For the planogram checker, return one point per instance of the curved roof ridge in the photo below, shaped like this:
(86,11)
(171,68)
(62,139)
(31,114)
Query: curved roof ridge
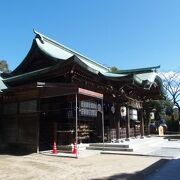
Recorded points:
(43,37)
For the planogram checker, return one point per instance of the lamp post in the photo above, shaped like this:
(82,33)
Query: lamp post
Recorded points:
(125,114)
(151,117)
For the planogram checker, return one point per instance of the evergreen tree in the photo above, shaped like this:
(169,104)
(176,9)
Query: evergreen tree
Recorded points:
(4,66)
(114,69)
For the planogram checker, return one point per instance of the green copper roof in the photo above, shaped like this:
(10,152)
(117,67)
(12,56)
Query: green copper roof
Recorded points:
(27,75)
(2,85)
(114,75)
(57,50)
(139,70)
(150,76)
(57,53)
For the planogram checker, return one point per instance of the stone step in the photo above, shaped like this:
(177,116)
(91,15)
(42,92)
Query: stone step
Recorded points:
(146,142)
(109,148)
(109,145)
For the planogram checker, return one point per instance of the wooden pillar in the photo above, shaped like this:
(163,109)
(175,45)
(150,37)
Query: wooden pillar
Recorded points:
(141,118)
(127,123)
(118,129)
(102,115)
(38,120)
(76,120)
(117,118)
(149,123)
(134,125)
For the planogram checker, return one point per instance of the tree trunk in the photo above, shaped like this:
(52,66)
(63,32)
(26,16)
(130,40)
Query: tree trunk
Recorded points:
(179,113)
(179,119)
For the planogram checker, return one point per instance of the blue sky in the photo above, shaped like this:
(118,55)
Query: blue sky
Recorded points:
(123,33)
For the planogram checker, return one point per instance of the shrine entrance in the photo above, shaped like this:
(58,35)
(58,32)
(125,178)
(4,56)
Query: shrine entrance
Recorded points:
(76,117)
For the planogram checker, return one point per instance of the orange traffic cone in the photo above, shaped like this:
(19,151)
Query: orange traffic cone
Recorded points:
(54,151)
(74,151)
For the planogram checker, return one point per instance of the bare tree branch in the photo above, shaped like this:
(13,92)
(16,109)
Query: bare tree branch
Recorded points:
(171,83)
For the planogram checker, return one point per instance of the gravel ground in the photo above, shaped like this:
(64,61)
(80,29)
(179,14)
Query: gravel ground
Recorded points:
(37,166)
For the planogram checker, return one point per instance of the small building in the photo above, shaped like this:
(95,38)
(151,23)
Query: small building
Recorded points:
(57,94)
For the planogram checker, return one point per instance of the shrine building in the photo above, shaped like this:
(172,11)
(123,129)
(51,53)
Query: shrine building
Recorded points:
(58,95)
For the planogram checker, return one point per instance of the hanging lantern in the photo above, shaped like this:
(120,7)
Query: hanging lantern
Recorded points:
(151,115)
(133,114)
(113,109)
(123,111)
(99,107)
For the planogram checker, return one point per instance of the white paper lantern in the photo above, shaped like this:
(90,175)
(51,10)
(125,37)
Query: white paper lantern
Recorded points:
(123,111)
(151,115)
(99,107)
(133,114)
(113,109)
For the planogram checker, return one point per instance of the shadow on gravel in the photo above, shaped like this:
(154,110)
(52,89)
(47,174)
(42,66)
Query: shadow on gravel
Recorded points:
(141,175)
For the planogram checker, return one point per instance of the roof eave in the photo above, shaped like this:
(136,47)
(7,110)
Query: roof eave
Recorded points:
(139,70)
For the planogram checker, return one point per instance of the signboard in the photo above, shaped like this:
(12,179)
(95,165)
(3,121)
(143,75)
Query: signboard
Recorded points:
(88,108)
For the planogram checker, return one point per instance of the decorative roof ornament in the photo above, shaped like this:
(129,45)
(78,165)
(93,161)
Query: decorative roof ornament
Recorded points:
(39,35)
